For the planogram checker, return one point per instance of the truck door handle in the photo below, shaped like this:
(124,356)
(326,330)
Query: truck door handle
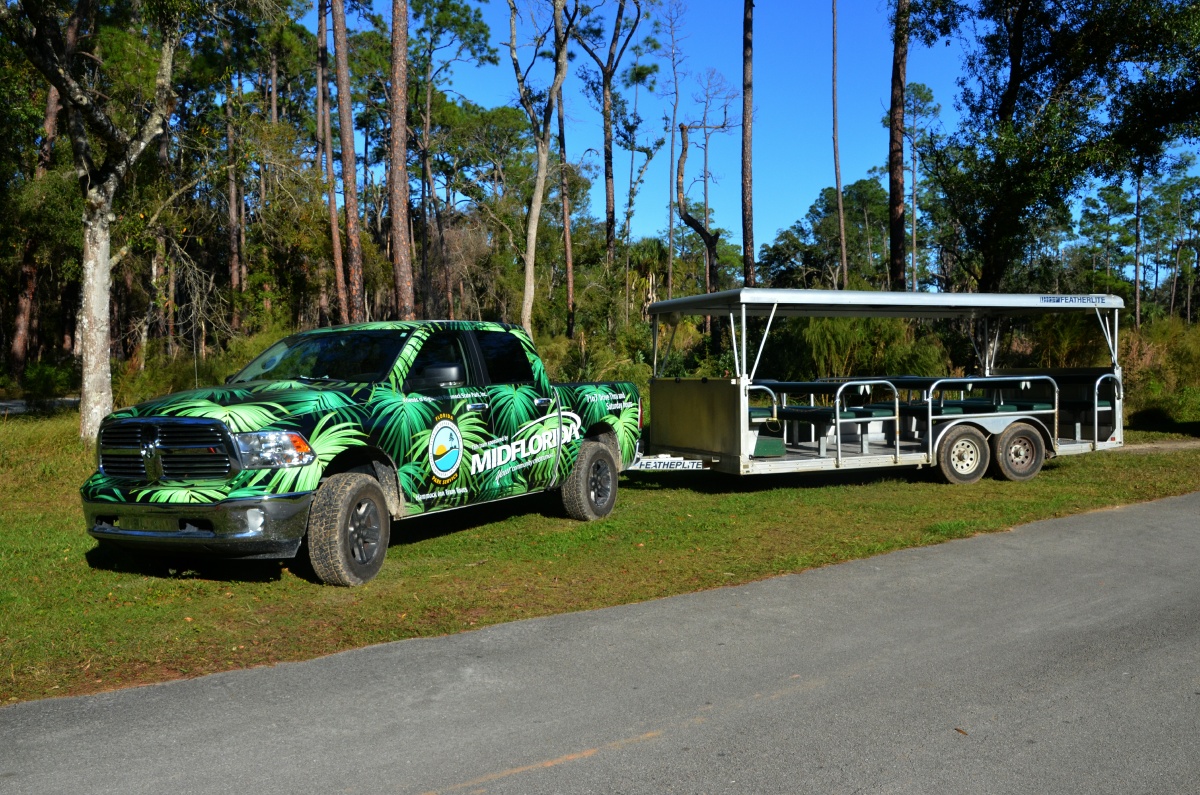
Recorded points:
(542,403)
(477,407)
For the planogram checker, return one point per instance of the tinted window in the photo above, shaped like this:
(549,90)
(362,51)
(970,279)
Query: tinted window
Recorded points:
(505,358)
(434,365)
(355,356)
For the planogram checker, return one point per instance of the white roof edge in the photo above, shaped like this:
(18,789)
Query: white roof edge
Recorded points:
(863,303)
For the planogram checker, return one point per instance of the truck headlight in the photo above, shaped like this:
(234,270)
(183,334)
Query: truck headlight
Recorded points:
(273,449)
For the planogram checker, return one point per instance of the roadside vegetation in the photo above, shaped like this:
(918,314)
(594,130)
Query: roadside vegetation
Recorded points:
(74,619)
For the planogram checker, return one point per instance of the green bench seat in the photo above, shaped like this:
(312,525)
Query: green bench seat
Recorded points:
(872,411)
(812,414)
(981,406)
(759,413)
(921,410)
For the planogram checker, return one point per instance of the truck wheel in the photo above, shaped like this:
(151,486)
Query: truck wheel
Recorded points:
(348,529)
(590,491)
(963,454)
(1018,452)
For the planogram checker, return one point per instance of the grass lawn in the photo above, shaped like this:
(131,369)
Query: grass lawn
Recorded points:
(74,620)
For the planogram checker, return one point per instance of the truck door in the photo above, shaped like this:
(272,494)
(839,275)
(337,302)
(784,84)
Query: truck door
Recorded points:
(445,387)
(523,414)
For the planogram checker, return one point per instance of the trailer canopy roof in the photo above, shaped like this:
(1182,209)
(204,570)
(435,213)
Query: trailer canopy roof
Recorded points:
(862,303)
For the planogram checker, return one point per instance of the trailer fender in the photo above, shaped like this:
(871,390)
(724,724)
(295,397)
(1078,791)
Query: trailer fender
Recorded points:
(996,424)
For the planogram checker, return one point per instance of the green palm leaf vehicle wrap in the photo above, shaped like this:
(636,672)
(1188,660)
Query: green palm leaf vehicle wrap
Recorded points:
(332,434)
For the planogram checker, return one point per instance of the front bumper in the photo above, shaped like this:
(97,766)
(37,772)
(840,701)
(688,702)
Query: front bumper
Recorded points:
(270,527)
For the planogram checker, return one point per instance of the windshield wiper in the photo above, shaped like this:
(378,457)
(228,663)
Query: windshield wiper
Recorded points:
(315,379)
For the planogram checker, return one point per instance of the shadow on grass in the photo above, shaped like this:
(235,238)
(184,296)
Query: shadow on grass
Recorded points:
(181,566)
(421,528)
(1157,419)
(168,566)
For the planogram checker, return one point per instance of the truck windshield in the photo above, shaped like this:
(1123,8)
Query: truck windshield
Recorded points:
(349,356)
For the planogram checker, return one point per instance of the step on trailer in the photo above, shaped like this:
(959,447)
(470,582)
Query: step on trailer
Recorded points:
(1006,420)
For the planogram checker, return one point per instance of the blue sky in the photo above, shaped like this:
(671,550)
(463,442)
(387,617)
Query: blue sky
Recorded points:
(793,148)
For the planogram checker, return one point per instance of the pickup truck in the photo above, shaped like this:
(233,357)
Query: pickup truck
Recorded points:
(332,433)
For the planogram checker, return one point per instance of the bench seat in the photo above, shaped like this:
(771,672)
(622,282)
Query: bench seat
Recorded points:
(981,406)
(812,414)
(874,411)
(922,410)
(759,413)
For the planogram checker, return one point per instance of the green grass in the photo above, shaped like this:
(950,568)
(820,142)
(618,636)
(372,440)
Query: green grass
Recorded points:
(74,620)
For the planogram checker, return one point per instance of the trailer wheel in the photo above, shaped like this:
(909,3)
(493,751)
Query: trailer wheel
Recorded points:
(590,491)
(963,454)
(1018,452)
(348,529)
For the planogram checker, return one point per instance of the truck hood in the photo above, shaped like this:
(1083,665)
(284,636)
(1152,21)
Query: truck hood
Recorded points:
(252,405)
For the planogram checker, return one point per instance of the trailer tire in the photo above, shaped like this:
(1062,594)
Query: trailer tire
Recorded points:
(590,491)
(1018,452)
(963,454)
(348,529)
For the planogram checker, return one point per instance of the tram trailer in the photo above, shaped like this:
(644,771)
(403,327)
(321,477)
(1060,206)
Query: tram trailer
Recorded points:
(1006,420)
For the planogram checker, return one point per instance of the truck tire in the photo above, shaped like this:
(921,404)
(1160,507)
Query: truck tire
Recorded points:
(348,529)
(590,491)
(963,454)
(1018,452)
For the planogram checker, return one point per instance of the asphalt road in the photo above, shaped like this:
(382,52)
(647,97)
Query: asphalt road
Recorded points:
(1062,657)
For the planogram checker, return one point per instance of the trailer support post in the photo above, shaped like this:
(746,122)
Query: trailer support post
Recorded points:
(733,330)
(763,343)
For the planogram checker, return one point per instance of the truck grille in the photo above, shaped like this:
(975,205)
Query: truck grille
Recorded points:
(165,450)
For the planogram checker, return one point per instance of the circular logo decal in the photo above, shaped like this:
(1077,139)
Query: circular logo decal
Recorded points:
(445,449)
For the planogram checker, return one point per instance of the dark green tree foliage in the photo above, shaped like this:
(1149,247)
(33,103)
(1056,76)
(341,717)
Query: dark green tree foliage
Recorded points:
(807,254)
(1050,97)
(1063,105)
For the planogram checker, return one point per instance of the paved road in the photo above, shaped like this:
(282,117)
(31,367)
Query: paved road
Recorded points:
(1063,657)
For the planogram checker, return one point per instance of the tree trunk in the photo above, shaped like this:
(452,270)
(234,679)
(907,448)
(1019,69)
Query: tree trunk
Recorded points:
(914,204)
(674,13)
(96,381)
(564,194)
(241,205)
(710,239)
(1137,249)
(610,199)
(608,69)
(1175,278)
(540,120)
(354,274)
(25,293)
(837,163)
(274,84)
(747,144)
(325,125)
(402,276)
(232,215)
(29,271)
(896,146)
(171,342)
(531,225)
